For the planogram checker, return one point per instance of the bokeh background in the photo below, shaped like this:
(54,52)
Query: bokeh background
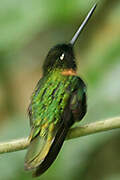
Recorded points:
(28,29)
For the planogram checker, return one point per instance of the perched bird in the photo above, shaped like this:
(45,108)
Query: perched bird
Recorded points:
(58,101)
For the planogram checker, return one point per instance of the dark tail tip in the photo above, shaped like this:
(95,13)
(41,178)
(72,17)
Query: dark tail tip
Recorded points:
(34,175)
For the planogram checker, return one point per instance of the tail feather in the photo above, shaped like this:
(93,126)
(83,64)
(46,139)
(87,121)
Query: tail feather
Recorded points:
(35,148)
(53,151)
(43,149)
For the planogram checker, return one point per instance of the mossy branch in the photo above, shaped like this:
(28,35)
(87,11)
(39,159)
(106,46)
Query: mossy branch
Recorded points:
(100,126)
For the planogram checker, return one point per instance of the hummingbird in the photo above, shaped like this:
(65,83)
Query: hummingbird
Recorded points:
(58,101)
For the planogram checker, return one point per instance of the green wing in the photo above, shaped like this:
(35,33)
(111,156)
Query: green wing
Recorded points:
(78,104)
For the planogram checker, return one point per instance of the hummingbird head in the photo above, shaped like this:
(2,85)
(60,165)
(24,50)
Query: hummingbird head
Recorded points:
(62,56)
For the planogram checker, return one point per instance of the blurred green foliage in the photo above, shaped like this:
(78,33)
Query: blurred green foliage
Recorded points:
(27,30)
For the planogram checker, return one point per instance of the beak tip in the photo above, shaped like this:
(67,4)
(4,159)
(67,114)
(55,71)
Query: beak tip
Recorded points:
(72,42)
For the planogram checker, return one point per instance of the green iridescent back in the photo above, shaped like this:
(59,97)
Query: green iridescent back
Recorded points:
(51,97)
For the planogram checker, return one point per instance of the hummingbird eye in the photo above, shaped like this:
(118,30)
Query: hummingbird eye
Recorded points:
(62,56)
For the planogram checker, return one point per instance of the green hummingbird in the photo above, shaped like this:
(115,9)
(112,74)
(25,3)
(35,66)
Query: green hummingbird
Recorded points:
(58,101)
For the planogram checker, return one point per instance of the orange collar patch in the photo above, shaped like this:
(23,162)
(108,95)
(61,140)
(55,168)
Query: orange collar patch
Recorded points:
(69,72)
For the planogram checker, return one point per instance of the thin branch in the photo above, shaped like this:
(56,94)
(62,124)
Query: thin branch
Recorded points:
(76,132)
